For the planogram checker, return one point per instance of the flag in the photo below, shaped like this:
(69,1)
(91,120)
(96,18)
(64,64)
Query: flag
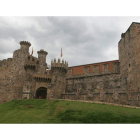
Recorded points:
(61,53)
(32,52)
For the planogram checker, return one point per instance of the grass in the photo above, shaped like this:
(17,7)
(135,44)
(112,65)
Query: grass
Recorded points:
(61,111)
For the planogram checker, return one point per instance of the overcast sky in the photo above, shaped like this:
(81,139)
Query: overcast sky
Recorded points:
(83,40)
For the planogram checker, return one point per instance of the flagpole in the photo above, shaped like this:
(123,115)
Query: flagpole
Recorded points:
(32,52)
(61,53)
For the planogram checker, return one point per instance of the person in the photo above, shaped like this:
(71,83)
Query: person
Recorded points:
(40,97)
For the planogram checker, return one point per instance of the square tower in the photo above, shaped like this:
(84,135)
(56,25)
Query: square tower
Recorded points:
(129,56)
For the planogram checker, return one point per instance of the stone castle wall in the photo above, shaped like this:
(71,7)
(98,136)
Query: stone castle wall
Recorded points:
(12,75)
(18,71)
(115,81)
(97,86)
(129,56)
(6,82)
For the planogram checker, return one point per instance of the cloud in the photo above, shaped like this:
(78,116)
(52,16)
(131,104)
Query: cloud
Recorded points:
(84,40)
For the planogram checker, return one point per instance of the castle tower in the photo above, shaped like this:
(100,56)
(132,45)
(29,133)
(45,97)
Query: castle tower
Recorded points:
(30,66)
(23,51)
(19,57)
(59,70)
(42,61)
(25,46)
(18,73)
(129,56)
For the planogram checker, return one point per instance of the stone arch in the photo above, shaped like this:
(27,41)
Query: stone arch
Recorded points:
(41,93)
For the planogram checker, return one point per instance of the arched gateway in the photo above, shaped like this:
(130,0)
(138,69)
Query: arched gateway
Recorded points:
(41,93)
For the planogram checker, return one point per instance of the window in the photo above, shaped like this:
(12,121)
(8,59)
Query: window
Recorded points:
(87,69)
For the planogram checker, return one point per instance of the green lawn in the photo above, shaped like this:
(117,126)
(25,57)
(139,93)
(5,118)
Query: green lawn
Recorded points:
(60,111)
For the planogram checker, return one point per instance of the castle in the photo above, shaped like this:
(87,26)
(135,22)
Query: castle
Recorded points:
(25,76)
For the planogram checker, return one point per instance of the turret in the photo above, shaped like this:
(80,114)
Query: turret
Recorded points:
(31,63)
(25,46)
(59,70)
(58,66)
(23,52)
(42,61)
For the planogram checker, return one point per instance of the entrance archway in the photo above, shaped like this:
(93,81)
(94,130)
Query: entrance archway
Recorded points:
(41,93)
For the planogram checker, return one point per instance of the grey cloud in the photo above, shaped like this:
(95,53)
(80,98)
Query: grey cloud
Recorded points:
(83,39)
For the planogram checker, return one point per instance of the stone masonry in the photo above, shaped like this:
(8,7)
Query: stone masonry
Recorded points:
(27,77)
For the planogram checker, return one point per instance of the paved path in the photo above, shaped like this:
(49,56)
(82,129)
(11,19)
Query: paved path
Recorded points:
(102,103)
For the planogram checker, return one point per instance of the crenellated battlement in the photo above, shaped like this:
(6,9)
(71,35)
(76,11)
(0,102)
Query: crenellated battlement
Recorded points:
(6,62)
(31,62)
(42,77)
(59,64)
(42,52)
(25,43)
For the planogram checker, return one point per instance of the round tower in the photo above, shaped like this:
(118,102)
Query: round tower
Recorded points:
(24,46)
(59,70)
(23,52)
(42,61)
